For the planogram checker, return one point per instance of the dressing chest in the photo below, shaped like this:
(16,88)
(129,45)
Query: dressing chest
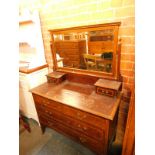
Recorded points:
(72,106)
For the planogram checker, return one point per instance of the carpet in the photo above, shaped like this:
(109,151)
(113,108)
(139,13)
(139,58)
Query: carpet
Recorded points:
(49,143)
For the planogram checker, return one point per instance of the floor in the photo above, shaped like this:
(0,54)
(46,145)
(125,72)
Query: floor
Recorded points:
(53,143)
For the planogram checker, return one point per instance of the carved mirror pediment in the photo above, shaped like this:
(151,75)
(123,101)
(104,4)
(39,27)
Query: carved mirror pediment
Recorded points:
(88,49)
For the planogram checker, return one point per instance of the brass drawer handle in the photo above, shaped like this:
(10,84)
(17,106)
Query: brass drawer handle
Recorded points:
(79,126)
(103,91)
(107,91)
(80,116)
(50,123)
(44,105)
(48,102)
(84,128)
(45,102)
(48,112)
(83,140)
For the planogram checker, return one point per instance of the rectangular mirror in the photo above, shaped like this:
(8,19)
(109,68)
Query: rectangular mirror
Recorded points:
(89,49)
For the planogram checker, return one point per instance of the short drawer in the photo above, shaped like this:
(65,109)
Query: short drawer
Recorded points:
(85,117)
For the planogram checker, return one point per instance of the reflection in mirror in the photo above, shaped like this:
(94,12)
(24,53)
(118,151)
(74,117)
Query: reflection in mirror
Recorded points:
(91,50)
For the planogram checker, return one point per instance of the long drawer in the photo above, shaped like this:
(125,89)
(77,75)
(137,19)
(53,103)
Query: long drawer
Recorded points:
(44,102)
(75,124)
(95,145)
(71,112)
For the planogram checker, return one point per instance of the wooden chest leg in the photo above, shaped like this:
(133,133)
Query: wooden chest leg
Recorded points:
(43,127)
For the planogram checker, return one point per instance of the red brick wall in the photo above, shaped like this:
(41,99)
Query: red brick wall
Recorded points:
(68,13)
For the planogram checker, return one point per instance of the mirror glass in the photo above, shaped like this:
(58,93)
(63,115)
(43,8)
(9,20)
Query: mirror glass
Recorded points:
(87,50)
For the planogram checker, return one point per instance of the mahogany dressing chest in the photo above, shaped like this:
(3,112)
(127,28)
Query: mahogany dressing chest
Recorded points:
(72,106)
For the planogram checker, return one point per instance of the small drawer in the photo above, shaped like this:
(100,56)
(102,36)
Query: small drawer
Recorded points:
(52,80)
(108,87)
(104,91)
(55,77)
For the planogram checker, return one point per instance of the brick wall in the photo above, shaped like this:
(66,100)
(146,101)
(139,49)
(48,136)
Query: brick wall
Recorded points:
(68,13)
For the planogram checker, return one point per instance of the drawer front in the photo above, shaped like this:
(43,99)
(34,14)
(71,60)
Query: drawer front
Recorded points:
(88,118)
(85,128)
(85,117)
(104,91)
(94,145)
(46,103)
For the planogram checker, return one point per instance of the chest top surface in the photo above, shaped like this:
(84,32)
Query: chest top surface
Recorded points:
(79,96)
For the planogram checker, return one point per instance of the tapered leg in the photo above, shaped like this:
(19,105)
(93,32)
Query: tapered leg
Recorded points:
(43,127)
(114,138)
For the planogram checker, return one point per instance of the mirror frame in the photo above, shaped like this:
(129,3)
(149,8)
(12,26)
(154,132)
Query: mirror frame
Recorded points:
(115,74)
